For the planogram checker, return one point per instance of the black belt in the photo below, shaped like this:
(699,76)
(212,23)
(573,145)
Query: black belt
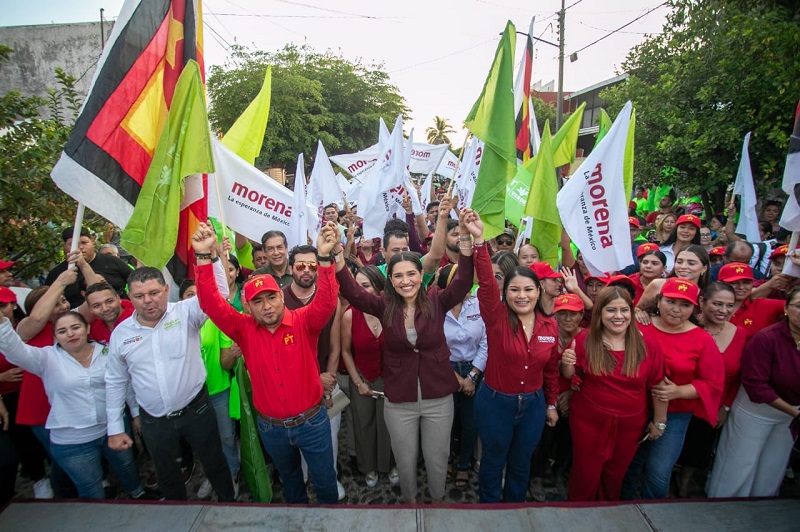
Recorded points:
(295,421)
(201,395)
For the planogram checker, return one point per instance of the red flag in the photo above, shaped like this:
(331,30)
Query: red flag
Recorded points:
(111,146)
(522,97)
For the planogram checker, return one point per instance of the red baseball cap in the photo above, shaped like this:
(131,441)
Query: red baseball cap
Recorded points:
(4,265)
(568,302)
(735,271)
(544,271)
(260,283)
(7,295)
(719,250)
(780,252)
(620,279)
(646,248)
(678,288)
(688,219)
(632,220)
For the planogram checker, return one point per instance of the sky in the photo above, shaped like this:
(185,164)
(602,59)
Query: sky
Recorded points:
(438,52)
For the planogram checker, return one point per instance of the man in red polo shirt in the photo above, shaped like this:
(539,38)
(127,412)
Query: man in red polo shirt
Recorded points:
(104,309)
(279,346)
(750,314)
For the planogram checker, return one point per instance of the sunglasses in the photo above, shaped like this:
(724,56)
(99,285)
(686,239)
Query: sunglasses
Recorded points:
(301,266)
(504,242)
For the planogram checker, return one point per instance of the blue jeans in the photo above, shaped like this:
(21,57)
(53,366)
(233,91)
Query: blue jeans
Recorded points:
(463,420)
(82,463)
(63,488)
(655,459)
(227,433)
(313,438)
(510,427)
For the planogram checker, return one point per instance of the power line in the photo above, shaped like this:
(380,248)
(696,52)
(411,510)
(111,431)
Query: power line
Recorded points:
(444,56)
(573,5)
(310,6)
(621,27)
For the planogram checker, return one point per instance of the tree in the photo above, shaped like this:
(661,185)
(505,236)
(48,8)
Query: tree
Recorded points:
(544,112)
(719,70)
(314,96)
(33,209)
(438,133)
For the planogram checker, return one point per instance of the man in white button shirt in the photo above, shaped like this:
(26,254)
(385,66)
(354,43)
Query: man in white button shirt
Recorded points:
(157,349)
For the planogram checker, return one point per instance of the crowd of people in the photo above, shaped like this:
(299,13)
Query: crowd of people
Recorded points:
(681,370)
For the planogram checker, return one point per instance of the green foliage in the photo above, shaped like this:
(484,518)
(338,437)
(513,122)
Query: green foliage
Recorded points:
(544,112)
(33,209)
(720,69)
(438,133)
(314,96)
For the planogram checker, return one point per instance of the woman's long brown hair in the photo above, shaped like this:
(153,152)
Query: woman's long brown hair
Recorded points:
(598,358)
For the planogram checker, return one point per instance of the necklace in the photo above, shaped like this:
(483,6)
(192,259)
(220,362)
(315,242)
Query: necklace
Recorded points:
(409,311)
(85,358)
(715,334)
(304,298)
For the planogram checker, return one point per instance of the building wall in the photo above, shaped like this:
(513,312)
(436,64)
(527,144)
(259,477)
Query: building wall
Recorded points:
(39,50)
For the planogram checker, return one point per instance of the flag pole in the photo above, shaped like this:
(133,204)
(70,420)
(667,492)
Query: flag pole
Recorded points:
(221,214)
(458,163)
(76,230)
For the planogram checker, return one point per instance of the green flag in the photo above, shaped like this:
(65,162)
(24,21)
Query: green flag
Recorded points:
(246,135)
(627,165)
(253,468)
(541,205)
(604,125)
(183,149)
(492,120)
(564,142)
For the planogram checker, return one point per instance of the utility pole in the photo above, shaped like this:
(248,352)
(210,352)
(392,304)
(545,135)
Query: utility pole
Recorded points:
(103,31)
(560,102)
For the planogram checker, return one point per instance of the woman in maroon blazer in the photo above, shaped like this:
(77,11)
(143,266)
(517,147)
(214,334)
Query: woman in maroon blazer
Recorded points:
(419,381)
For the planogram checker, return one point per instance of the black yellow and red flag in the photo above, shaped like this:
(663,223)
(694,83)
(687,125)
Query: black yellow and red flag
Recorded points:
(111,147)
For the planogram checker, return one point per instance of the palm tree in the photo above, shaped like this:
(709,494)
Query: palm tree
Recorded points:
(438,133)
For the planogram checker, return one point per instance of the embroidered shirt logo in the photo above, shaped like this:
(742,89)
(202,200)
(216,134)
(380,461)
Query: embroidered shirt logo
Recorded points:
(546,339)
(172,324)
(132,340)
(748,321)
(288,339)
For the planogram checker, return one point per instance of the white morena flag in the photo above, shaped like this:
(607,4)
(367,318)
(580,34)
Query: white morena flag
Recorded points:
(345,186)
(592,204)
(252,202)
(411,190)
(323,188)
(468,178)
(448,165)
(425,158)
(743,187)
(302,215)
(790,219)
(425,192)
(375,203)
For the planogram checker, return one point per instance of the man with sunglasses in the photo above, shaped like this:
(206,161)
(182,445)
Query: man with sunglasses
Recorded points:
(298,294)
(505,241)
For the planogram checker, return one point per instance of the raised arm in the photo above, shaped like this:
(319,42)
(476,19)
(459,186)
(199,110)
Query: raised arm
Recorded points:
(40,314)
(430,262)
(18,352)
(488,293)
(322,307)
(458,289)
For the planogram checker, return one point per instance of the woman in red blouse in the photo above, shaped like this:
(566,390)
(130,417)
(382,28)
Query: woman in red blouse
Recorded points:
(521,376)
(693,385)
(609,413)
(716,309)
(361,338)
(652,265)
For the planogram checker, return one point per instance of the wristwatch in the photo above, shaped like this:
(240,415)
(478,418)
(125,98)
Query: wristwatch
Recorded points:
(660,426)
(324,258)
(474,377)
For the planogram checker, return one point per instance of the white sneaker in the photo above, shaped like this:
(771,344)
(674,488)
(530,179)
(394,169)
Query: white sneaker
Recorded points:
(394,476)
(205,489)
(340,489)
(42,489)
(371,479)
